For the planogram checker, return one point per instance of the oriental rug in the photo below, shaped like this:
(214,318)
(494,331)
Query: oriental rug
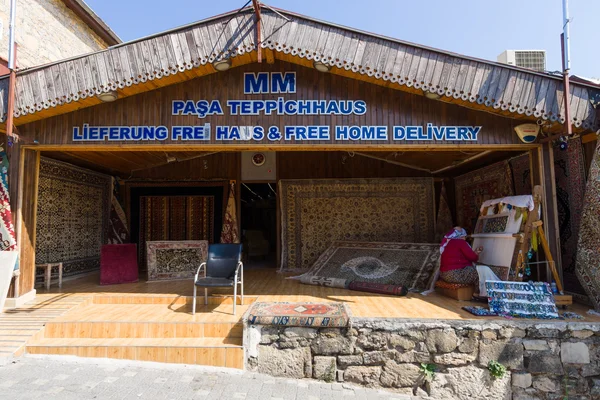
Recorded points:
(588,248)
(72,216)
(175,218)
(380,288)
(331,315)
(314,213)
(569,170)
(8,240)
(521,299)
(229,232)
(473,188)
(443,222)
(407,264)
(168,260)
(117,232)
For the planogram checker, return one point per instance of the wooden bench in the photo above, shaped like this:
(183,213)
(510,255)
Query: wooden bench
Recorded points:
(48,273)
(457,291)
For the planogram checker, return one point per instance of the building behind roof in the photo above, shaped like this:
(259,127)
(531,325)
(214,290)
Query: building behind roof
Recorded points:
(532,59)
(51,30)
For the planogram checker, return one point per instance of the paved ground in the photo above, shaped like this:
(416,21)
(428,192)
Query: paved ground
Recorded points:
(72,378)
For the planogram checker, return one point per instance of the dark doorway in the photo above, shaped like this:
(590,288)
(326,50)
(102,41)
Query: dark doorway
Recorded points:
(259,224)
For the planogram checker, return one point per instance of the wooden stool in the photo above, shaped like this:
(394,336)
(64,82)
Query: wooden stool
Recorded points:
(48,273)
(456,291)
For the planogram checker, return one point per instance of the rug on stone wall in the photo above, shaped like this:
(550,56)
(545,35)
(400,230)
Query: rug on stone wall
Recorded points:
(521,299)
(169,260)
(411,265)
(588,248)
(569,171)
(314,213)
(474,187)
(72,216)
(330,315)
(175,218)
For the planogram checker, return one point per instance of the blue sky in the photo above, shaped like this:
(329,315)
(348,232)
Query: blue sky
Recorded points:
(478,28)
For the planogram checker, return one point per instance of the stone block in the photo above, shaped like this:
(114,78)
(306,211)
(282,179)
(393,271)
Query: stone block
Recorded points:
(400,375)
(545,384)
(543,333)
(590,370)
(307,333)
(470,382)
(536,345)
(575,353)
(378,357)
(454,359)
(521,380)
(368,376)
(468,345)
(289,363)
(324,368)
(595,390)
(582,334)
(346,361)
(508,354)
(401,342)
(413,357)
(324,345)
(489,334)
(545,363)
(441,340)
(373,341)
(526,394)
(509,332)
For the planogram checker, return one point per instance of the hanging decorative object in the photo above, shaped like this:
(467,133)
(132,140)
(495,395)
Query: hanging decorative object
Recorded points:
(229,233)
(7,231)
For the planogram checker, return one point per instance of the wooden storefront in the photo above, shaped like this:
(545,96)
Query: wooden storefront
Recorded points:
(482,102)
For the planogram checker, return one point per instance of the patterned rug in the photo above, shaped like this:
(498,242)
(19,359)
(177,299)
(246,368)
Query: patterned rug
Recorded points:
(473,188)
(569,169)
(588,248)
(175,218)
(8,241)
(117,232)
(334,315)
(521,299)
(407,264)
(371,287)
(175,260)
(314,213)
(72,216)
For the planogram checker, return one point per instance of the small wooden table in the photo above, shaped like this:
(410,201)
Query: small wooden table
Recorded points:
(48,273)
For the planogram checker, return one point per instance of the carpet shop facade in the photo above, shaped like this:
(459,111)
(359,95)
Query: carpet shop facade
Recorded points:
(193,133)
(180,125)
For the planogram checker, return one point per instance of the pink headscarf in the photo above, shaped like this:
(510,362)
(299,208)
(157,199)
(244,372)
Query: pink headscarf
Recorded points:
(455,233)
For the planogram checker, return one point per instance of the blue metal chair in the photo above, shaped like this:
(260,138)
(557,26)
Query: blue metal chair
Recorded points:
(223,268)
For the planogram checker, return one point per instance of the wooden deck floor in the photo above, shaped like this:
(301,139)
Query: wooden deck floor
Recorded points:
(268,286)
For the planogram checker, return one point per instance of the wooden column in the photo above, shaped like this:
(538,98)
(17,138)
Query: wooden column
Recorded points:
(26,213)
(542,162)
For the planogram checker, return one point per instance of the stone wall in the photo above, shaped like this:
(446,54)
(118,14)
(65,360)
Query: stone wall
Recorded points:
(544,360)
(46,31)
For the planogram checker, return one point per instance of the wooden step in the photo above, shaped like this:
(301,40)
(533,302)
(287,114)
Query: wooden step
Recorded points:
(202,351)
(169,299)
(152,330)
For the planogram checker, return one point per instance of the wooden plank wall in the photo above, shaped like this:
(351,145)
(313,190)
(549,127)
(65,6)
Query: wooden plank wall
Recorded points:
(26,214)
(337,164)
(385,106)
(218,166)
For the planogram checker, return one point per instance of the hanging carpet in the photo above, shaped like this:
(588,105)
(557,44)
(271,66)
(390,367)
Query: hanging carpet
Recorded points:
(117,232)
(443,222)
(569,172)
(175,218)
(473,188)
(314,213)
(410,265)
(588,248)
(72,216)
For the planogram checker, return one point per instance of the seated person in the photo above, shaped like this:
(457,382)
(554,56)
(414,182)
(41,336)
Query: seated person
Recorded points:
(457,264)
